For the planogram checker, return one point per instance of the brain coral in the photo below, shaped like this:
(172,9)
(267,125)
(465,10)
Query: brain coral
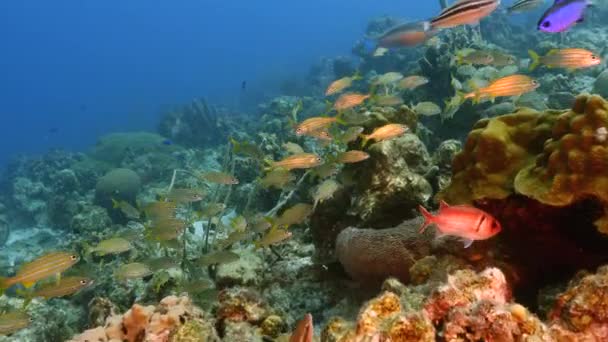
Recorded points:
(556,158)
(119,184)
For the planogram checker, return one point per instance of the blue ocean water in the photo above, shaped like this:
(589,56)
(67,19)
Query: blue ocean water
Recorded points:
(73,70)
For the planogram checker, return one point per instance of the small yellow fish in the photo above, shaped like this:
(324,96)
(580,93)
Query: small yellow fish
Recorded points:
(294,215)
(185,195)
(388,78)
(246,148)
(379,52)
(66,286)
(292,148)
(325,191)
(156,210)
(50,264)
(501,59)
(315,124)
(239,223)
(350,100)
(513,85)
(328,169)
(196,286)
(234,237)
(132,270)
(385,132)
(427,108)
(565,58)
(218,257)
(413,82)
(220,178)
(212,209)
(475,57)
(388,100)
(259,223)
(162,263)
(351,134)
(298,161)
(341,84)
(126,208)
(165,229)
(274,236)
(278,178)
(353,156)
(110,246)
(451,107)
(11,322)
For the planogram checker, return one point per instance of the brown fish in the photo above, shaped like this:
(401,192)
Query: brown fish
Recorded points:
(220,178)
(350,100)
(274,236)
(464,12)
(322,135)
(160,209)
(328,169)
(351,134)
(50,264)
(110,246)
(298,161)
(353,156)
(413,82)
(385,132)
(294,215)
(218,257)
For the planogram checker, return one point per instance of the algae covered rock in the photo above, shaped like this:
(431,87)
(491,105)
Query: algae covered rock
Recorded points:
(600,86)
(244,271)
(119,184)
(392,183)
(115,147)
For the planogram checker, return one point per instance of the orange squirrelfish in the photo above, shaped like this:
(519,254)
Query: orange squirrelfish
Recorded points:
(311,125)
(385,132)
(513,85)
(298,161)
(466,222)
(341,84)
(350,100)
(565,58)
(43,267)
(464,12)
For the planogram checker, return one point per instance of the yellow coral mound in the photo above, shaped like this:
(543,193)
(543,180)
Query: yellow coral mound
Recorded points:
(574,162)
(554,157)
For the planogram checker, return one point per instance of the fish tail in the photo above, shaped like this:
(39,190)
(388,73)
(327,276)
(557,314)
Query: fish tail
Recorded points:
(357,75)
(535,60)
(3,285)
(257,245)
(459,59)
(340,119)
(115,203)
(236,146)
(364,139)
(428,218)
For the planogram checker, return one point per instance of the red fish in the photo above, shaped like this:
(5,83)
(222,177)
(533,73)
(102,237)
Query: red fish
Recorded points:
(304,330)
(466,222)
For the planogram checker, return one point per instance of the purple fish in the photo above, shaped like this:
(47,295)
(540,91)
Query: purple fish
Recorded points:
(563,15)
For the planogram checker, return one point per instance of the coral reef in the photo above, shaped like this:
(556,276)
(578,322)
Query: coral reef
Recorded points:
(118,184)
(174,319)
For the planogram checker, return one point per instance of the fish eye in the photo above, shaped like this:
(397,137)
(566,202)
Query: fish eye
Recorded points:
(298,131)
(534,82)
(83,282)
(546,24)
(74,257)
(318,159)
(593,57)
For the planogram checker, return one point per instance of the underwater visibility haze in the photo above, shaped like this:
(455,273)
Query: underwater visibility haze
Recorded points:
(304,171)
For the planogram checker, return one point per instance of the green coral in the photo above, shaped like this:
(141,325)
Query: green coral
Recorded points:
(119,184)
(114,148)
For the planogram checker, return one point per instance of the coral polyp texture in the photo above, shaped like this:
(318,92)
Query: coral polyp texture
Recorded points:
(557,158)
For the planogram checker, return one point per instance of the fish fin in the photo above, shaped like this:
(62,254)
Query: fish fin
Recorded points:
(467,242)
(535,60)
(428,218)
(340,119)
(364,139)
(28,284)
(443,205)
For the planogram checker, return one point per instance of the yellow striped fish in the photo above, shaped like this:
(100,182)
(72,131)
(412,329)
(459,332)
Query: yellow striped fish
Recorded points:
(464,12)
(298,161)
(11,322)
(50,264)
(513,85)
(350,100)
(314,124)
(565,58)
(66,287)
